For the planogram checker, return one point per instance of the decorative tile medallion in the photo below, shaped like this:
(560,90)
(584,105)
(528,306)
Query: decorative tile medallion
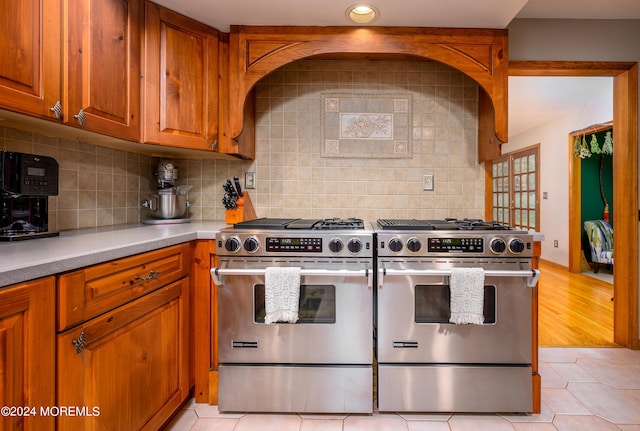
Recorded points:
(366,125)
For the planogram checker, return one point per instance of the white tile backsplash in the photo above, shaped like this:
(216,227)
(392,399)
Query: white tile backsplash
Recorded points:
(102,186)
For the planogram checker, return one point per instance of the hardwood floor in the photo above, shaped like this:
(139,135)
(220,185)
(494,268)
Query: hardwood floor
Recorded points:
(574,310)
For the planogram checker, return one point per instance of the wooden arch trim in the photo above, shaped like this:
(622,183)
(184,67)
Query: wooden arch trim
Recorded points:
(256,51)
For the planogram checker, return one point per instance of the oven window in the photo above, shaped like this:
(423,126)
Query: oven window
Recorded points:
(317,304)
(432,304)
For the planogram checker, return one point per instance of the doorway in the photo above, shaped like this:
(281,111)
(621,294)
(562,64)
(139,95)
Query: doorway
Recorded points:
(591,182)
(625,180)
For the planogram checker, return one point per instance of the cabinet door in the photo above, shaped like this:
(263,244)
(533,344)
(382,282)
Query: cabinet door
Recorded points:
(30,56)
(102,58)
(129,367)
(27,342)
(181,80)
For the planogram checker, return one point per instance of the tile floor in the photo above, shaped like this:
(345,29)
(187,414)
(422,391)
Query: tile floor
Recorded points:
(582,390)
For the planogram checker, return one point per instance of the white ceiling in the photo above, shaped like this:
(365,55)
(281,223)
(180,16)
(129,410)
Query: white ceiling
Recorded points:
(532,101)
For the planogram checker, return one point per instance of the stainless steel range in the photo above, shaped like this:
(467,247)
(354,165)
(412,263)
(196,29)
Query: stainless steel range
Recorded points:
(323,362)
(426,363)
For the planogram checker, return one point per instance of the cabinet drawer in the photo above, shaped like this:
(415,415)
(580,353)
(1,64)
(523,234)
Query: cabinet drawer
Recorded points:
(88,292)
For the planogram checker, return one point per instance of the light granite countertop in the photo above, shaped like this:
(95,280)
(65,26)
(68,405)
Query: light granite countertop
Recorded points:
(31,259)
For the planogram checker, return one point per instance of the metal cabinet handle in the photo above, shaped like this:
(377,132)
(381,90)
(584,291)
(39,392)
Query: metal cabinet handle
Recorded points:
(152,274)
(80,342)
(80,117)
(57,110)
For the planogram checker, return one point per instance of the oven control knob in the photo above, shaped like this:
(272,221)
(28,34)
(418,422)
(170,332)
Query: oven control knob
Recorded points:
(336,245)
(395,245)
(516,246)
(354,245)
(232,245)
(251,244)
(414,244)
(497,245)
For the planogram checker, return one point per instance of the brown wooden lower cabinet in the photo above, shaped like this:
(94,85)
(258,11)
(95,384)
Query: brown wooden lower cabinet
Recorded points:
(127,368)
(27,370)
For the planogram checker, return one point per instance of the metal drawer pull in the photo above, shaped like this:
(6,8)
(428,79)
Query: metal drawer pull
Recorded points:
(216,273)
(531,275)
(152,274)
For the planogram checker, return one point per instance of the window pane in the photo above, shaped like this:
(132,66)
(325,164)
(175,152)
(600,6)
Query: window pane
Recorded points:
(532,181)
(516,216)
(524,182)
(532,219)
(524,201)
(516,183)
(532,163)
(516,166)
(532,200)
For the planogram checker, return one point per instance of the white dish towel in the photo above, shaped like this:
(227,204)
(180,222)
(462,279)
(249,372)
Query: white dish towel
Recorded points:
(282,294)
(467,296)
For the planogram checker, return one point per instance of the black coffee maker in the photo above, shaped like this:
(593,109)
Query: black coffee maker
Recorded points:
(26,182)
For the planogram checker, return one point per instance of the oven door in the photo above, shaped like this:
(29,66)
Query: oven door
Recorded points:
(413,315)
(335,323)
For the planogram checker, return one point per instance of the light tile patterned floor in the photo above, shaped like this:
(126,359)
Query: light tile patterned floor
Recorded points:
(583,390)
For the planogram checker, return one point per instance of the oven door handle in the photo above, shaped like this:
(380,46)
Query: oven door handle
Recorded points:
(218,273)
(531,275)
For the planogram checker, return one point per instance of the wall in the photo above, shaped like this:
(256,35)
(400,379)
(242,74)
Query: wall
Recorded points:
(98,186)
(294,180)
(564,40)
(553,138)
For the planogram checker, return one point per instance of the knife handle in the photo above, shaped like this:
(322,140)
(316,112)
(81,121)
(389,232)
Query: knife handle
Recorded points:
(236,181)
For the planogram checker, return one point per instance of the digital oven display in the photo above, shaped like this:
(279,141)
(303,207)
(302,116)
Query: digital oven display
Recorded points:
(304,245)
(456,245)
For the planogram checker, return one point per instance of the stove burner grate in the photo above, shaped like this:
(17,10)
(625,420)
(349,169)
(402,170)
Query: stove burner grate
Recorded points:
(478,224)
(446,224)
(309,224)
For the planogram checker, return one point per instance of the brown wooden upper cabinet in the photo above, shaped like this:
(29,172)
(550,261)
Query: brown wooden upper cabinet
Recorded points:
(30,56)
(181,80)
(92,80)
(101,62)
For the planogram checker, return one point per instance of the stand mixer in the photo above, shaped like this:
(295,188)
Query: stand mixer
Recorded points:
(171,202)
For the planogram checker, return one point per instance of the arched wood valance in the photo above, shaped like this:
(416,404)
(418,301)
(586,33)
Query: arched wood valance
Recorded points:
(255,51)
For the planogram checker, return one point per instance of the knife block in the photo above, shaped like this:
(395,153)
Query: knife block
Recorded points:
(244,212)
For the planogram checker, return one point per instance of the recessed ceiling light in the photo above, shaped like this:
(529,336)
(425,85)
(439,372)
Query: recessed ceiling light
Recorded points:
(361,13)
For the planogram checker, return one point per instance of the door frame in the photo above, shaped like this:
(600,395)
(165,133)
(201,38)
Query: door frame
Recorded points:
(625,183)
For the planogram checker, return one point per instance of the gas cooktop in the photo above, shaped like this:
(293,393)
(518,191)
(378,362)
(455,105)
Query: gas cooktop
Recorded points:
(298,223)
(446,224)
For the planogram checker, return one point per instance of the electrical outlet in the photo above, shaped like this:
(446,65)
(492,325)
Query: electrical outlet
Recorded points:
(427,182)
(249,180)
(555,243)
